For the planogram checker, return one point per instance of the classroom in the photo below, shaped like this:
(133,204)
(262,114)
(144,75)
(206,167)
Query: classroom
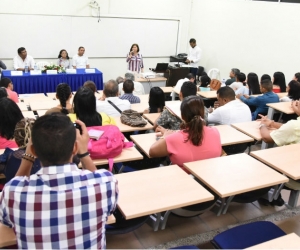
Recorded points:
(253,36)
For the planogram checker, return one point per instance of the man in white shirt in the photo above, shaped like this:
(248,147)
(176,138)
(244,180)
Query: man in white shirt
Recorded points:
(189,78)
(228,110)
(194,56)
(111,93)
(80,61)
(22,60)
(138,87)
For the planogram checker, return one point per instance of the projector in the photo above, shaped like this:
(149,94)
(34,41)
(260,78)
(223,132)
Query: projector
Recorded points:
(148,75)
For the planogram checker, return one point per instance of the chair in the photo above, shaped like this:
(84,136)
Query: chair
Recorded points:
(247,235)
(214,73)
(41,64)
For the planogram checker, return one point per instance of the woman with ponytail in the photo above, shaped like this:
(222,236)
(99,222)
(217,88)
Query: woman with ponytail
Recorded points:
(64,95)
(194,141)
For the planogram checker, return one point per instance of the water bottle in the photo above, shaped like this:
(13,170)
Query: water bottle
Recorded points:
(26,68)
(35,67)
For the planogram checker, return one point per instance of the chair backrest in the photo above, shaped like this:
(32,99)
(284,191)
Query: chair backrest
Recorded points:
(214,73)
(41,64)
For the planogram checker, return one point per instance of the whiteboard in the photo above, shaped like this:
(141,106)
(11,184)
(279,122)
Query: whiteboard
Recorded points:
(45,36)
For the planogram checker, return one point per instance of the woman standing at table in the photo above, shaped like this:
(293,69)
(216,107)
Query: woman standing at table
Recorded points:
(64,60)
(135,59)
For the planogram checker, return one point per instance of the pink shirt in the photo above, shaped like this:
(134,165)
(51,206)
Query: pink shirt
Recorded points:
(12,95)
(4,143)
(182,152)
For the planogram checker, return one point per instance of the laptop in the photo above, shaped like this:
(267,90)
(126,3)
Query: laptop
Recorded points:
(161,67)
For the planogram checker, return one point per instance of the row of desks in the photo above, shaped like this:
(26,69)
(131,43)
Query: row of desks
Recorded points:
(226,176)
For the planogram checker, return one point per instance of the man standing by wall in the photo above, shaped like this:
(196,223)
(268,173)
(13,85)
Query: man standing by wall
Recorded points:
(194,56)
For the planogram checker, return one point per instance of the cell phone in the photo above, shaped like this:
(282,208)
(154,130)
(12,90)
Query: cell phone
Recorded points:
(77,126)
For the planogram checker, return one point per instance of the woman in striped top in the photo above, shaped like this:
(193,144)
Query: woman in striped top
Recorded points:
(135,59)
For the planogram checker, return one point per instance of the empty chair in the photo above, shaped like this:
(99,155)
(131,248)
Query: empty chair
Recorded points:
(247,235)
(214,73)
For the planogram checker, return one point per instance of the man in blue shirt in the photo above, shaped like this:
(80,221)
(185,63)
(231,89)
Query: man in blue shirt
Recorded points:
(260,102)
(128,87)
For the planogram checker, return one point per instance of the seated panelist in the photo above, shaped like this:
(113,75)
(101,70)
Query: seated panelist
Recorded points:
(22,60)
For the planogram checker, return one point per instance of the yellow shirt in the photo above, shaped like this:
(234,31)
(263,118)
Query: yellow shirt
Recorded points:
(288,133)
(106,120)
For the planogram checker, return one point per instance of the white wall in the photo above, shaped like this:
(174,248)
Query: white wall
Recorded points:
(111,67)
(260,37)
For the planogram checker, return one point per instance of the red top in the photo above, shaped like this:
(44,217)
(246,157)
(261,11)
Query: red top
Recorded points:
(4,143)
(181,152)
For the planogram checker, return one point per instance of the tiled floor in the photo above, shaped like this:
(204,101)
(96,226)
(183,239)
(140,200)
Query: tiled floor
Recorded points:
(178,227)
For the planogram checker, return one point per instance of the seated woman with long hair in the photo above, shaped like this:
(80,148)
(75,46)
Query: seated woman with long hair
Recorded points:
(251,87)
(64,95)
(194,141)
(279,84)
(84,105)
(293,90)
(10,114)
(156,100)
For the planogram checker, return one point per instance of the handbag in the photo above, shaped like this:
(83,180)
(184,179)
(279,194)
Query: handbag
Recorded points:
(130,117)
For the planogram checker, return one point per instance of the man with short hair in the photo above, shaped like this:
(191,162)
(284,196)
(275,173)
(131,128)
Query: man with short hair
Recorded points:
(61,206)
(138,87)
(240,78)
(79,60)
(168,120)
(111,94)
(194,56)
(260,102)
(128,88)
(229,110)
(8,85)
(232,75)
(190,77)
(22,60)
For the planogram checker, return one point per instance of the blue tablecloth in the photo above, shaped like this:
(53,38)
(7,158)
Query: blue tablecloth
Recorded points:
(47,83)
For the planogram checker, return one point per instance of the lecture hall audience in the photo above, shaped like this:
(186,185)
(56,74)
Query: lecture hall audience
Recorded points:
(8,85)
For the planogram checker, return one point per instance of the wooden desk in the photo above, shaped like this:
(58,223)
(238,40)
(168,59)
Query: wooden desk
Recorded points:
(249,128)
(156,190)
(28,114)
(126,128)
(231,136)
(151,117)
(27,98)
(36,105)
(140,107)
(167,89)
(289,241)
(283,107)
(208,94)
(128,154)
(22,106)
(8,237)
(283,159)
(234,174)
